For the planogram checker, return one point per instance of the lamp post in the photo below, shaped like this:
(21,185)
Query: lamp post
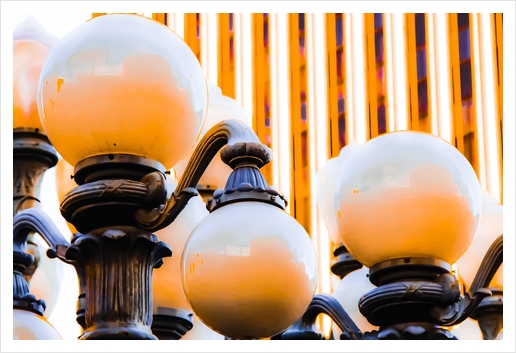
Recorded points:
(122,99)
(122,113)
(408,205)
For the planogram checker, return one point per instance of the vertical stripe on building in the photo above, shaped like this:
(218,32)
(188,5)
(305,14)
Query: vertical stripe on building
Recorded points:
(176,22)
(280,103)
(244,64)
(192,33)
(161,18)
(300,192)
(261,85)
(226,54)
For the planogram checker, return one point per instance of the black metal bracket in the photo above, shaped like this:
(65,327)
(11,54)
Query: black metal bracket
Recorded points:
(344,263)
(243,147)
(171,324)
(458,312)
(304,328)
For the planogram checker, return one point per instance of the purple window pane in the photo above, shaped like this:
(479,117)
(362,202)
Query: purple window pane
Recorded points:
(378,20)
(421,63)
(420,29)
(380,79)
(342,130)
(338,31)
(340,65)
(230,21)
(340,103)
(265,34)
(303,111)
(231,51)
(302,45)
(378,45)
(467,114)
(422,98)
(465,81)
(382,124)
(265,15)
(301,18)
(464,45)
(462,19)
(267,122)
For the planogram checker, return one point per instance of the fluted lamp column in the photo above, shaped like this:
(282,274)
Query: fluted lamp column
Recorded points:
(150,103)
(32,156)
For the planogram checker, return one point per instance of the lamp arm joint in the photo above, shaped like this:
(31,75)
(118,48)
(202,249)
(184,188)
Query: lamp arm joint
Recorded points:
(34,220)
(242,144)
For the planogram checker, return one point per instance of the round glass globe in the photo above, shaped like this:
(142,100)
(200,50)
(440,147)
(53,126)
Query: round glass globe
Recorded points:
(31,46)
(491,226)
(167,288)
(30,326)
(122,84)
(46,282)
(219,108)
(325,185)
(407,194)
(348,293)
(249,270)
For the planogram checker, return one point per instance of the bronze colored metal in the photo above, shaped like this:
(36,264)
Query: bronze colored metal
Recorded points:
(344,263)
(305,329)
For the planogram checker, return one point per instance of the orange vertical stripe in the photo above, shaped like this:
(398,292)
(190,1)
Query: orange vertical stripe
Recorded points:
(161,18)
(226,67)
(192,24)
(332,95)
(455,90)
(413,111)
(372,102)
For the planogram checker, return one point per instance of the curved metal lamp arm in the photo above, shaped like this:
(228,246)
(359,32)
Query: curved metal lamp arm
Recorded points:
(34,220)
(242,144)
(323,304)
(457,313)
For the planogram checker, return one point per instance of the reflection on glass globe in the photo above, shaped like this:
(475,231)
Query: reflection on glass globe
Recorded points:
(219,108)
(47,279)
(122,84)
(348,293)
(246,278)
(491,226)
(65,184)
(407,194)
(326,180)
(30,326)
(31,45)
(167,288)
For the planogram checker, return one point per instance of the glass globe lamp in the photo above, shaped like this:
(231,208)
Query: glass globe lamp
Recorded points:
(407,194)
(166,281)
(246,278)
(31,326)
(200,331)
(219,108)
(31,47)
(46,282)
(348,293)
(325,185)
(491,226)
(122,84)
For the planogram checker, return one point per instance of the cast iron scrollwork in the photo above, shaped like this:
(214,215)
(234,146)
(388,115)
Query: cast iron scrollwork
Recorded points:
(461,310)
(243,146)
(304,328)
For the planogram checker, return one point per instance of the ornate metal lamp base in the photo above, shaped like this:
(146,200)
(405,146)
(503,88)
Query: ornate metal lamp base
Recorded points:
(171,324)
(408,290)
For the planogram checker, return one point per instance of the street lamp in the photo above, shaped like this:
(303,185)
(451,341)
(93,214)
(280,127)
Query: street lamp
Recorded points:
(408,205)
(122,98)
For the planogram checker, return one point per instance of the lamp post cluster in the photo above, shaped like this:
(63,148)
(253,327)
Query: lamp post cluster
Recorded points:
(122,98)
